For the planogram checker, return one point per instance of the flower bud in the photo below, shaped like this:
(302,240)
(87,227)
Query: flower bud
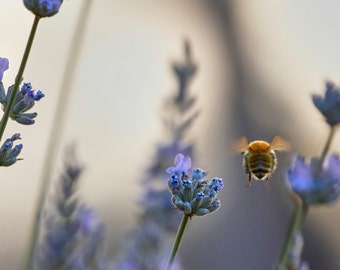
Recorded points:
(43,8)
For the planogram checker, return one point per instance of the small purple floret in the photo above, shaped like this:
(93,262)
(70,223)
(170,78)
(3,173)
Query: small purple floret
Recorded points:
(4,65)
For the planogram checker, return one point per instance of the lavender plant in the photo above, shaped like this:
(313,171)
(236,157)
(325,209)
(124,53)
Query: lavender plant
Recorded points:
(73,234)
(17,103)
(316,182)
(148,245)
(194,195)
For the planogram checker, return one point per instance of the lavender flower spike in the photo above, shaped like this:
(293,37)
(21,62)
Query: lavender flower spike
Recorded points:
(43,8)
(316,187)
(195,195)
(73,235)
(4,64)
(329,105)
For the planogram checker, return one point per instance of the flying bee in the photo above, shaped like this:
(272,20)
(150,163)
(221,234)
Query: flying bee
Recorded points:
(259,157)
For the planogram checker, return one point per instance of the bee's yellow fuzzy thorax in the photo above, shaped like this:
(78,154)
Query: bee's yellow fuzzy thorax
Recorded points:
(260,146)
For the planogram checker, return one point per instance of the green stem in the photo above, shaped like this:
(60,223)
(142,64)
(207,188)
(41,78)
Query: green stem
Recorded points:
(178,240)
(325,149)
(300,214)
(18,78)
(57,128)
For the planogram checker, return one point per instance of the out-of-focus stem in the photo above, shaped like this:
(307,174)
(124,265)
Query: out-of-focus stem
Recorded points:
(298,218)
(57,128)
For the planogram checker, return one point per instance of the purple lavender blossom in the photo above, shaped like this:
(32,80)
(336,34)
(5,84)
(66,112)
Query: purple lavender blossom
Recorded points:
(329,105)
(195,196)
(25,100)
(182,165)
(4,65)
(43,8)
(313,186)
(165,153)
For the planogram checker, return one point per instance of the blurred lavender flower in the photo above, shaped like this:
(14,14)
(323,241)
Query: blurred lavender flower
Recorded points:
(92,234)
(73,233)
(312,186)
(195,195)
(295,262)
(4,65)
(148,247)
(185,71)
(24,101)
(8,152)
(43,8)
(329,105)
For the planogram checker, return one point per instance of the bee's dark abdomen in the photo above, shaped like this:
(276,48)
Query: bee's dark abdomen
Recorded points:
(261,165)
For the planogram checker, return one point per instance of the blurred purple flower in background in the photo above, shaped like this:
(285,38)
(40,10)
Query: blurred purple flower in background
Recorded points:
(313,186)
(295,261)
(329,105)
(73,235)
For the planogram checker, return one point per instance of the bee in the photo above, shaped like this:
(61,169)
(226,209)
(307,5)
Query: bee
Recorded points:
(259,157)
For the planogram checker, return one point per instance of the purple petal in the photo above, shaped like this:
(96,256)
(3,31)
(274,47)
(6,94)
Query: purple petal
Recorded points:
(4,65)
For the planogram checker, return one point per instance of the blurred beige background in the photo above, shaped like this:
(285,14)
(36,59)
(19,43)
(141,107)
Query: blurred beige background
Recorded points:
(259,62)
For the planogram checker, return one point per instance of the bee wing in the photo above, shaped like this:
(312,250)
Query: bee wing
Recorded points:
(241,145)
(280,144)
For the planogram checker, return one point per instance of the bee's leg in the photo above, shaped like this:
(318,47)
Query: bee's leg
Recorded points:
(249,180)
(267,183)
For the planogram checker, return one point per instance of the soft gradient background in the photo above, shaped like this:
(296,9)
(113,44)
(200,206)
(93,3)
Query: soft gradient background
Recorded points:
(259,62)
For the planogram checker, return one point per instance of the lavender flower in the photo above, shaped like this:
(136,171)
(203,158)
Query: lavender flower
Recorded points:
(195,195)
(43,8)
(312,186)
(24,101)
(73,233)
(9,152)
(92,235)
(4,64)
(329,105)
(185,71)
(148,245)
(165,153)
